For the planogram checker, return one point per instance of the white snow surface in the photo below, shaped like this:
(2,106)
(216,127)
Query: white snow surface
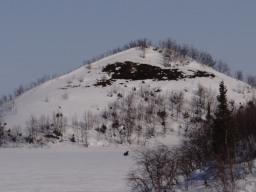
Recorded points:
(72,168)
(64,169)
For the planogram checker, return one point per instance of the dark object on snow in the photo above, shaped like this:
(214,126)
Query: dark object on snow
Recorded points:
(126,153)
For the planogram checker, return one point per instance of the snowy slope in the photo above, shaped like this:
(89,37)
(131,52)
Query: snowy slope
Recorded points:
(74,93)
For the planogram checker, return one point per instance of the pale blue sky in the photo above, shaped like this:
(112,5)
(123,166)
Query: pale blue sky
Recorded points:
(40,37)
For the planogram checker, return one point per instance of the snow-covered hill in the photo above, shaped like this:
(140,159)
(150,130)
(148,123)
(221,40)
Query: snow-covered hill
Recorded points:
(82,90)
(137,96)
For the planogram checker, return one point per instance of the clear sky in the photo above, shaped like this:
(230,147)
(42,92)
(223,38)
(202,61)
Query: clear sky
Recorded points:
(46,37)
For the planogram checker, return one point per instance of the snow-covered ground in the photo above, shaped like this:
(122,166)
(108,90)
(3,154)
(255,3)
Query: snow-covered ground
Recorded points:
(64,169)
(72,168)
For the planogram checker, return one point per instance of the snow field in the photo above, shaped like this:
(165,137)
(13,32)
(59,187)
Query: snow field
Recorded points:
(64,169)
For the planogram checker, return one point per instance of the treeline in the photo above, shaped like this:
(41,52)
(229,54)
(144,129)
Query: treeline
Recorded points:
(204,58)
(169,46)
(140,43)
(133,118)
(39,131)
(188,51)
(222,146)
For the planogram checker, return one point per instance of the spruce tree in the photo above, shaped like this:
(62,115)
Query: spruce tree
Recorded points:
(221,133)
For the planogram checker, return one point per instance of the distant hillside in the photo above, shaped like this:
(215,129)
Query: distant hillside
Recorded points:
(128,97)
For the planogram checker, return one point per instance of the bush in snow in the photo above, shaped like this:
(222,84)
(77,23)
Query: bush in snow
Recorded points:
(156,170)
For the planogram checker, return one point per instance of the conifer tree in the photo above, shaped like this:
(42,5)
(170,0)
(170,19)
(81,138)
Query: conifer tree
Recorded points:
(221,133)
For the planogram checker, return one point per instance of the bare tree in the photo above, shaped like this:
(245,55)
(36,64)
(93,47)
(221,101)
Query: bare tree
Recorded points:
(130,115)
(86,125)
(206,58)
(150,118)
(180,102)
(19,90)
(77,128)
(157,169)
(176,102)
(32,126)
(162,114)
(16,135)
(59,124)
(239,75)
(251,80)
(199,100)
(224,173)
(2,126)
(222,67)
